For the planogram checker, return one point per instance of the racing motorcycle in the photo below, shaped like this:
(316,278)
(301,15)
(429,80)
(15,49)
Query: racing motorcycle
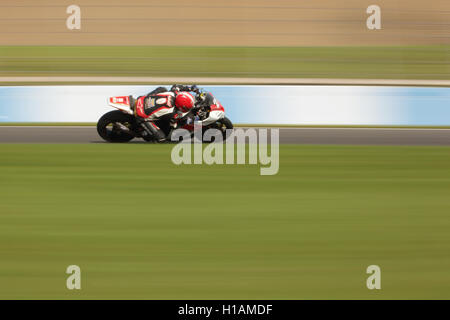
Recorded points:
(121,125)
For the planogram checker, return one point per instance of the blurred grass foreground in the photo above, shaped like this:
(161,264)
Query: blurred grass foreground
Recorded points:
(163,231)
(393,62)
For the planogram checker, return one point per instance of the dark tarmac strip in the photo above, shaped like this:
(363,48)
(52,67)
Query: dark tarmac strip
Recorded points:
(349,136)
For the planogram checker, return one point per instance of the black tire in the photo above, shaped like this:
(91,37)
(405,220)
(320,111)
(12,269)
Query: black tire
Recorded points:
(222,125)
(112,117)
(225,123)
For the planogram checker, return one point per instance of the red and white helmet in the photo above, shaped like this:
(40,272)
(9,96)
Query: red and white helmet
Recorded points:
(184,101)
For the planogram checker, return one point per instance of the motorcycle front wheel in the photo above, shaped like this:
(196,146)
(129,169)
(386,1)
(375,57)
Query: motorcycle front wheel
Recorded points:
(224,124)
(116,126)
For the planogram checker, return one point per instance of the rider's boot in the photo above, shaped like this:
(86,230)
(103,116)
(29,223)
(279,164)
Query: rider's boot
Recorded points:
(155,131)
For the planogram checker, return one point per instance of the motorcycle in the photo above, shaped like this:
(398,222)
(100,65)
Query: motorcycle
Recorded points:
(121,125)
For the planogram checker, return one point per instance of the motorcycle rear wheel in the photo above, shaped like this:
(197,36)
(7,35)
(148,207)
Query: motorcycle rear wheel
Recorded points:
(107,126)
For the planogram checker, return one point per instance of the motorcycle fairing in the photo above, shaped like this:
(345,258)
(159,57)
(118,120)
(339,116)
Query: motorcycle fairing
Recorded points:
(121,102)
(217,112)
(217,107)
(213,117)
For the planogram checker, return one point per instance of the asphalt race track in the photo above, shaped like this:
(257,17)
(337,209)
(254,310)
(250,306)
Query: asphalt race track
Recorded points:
(350,136)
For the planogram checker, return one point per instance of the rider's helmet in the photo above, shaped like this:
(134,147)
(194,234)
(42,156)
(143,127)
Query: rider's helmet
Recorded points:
(184,101)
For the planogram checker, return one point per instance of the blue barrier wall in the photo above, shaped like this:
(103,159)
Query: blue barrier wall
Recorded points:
(333,105)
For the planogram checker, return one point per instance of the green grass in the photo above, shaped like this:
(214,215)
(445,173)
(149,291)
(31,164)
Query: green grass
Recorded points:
(142,227)
(419,62)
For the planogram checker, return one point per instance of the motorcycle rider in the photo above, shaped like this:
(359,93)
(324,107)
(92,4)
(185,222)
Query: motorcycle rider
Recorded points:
(166,104)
